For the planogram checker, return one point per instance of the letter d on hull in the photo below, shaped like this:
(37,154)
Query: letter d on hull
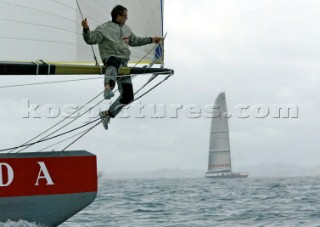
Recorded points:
(6,175)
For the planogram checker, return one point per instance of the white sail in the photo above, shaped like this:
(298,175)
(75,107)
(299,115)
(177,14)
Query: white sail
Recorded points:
(219,149)
(51,30)
(219,165)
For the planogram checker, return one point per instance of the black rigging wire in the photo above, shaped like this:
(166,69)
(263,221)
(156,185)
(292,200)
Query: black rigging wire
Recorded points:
(153,87)
(52,82)
(67,118)
(126,105)
(94,54)
(88,130)
(154,76)
(77,128)
(62,121)
(43,149)
(49,138)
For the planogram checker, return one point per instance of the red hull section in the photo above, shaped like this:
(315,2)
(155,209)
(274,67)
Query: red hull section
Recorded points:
(48,173)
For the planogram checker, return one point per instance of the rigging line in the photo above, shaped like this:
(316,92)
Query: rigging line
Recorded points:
(88,110)
(94,54)
(50,138)
(80,10)
(167,77)
(99,11)
(143,86)
(53,82)
(62,141)
(161,45)
(84,113)
(93,126)
(149,81)
(154,76)
(61,121)
(66,118)
(25,147)
(153,48)
(88,130)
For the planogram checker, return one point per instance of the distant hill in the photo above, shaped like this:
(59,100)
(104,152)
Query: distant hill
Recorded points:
(161,173)
(281,170)
(261,170)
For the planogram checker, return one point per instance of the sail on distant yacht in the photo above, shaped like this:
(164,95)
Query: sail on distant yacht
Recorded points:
(219,165)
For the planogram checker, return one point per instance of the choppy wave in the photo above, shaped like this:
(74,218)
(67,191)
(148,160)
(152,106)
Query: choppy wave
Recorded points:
(201,202)
(20,223)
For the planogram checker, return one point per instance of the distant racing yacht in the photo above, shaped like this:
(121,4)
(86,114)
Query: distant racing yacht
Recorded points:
(219,165)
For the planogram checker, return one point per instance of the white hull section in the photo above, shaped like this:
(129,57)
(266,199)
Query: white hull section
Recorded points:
(227,175)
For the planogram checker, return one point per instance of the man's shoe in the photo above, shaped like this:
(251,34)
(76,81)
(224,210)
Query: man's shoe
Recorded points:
(105,118)
(108,94)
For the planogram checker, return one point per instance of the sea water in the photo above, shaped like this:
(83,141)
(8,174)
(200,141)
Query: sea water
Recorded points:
(291,201)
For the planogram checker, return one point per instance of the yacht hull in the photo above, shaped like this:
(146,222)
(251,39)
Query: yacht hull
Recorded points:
(227,175)
(46,188)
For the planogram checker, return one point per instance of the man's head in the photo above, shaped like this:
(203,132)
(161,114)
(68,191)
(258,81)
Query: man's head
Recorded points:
(119,14)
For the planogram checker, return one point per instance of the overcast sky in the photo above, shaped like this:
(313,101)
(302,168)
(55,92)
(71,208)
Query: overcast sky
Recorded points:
(261,53)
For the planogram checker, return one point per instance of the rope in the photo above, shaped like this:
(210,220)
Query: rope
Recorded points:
(153,87)
(65,81)
(94,54)
(88,130)
(125,105)
(53,82)
(63,121)
(43,149)
(46,138)
(50,138)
